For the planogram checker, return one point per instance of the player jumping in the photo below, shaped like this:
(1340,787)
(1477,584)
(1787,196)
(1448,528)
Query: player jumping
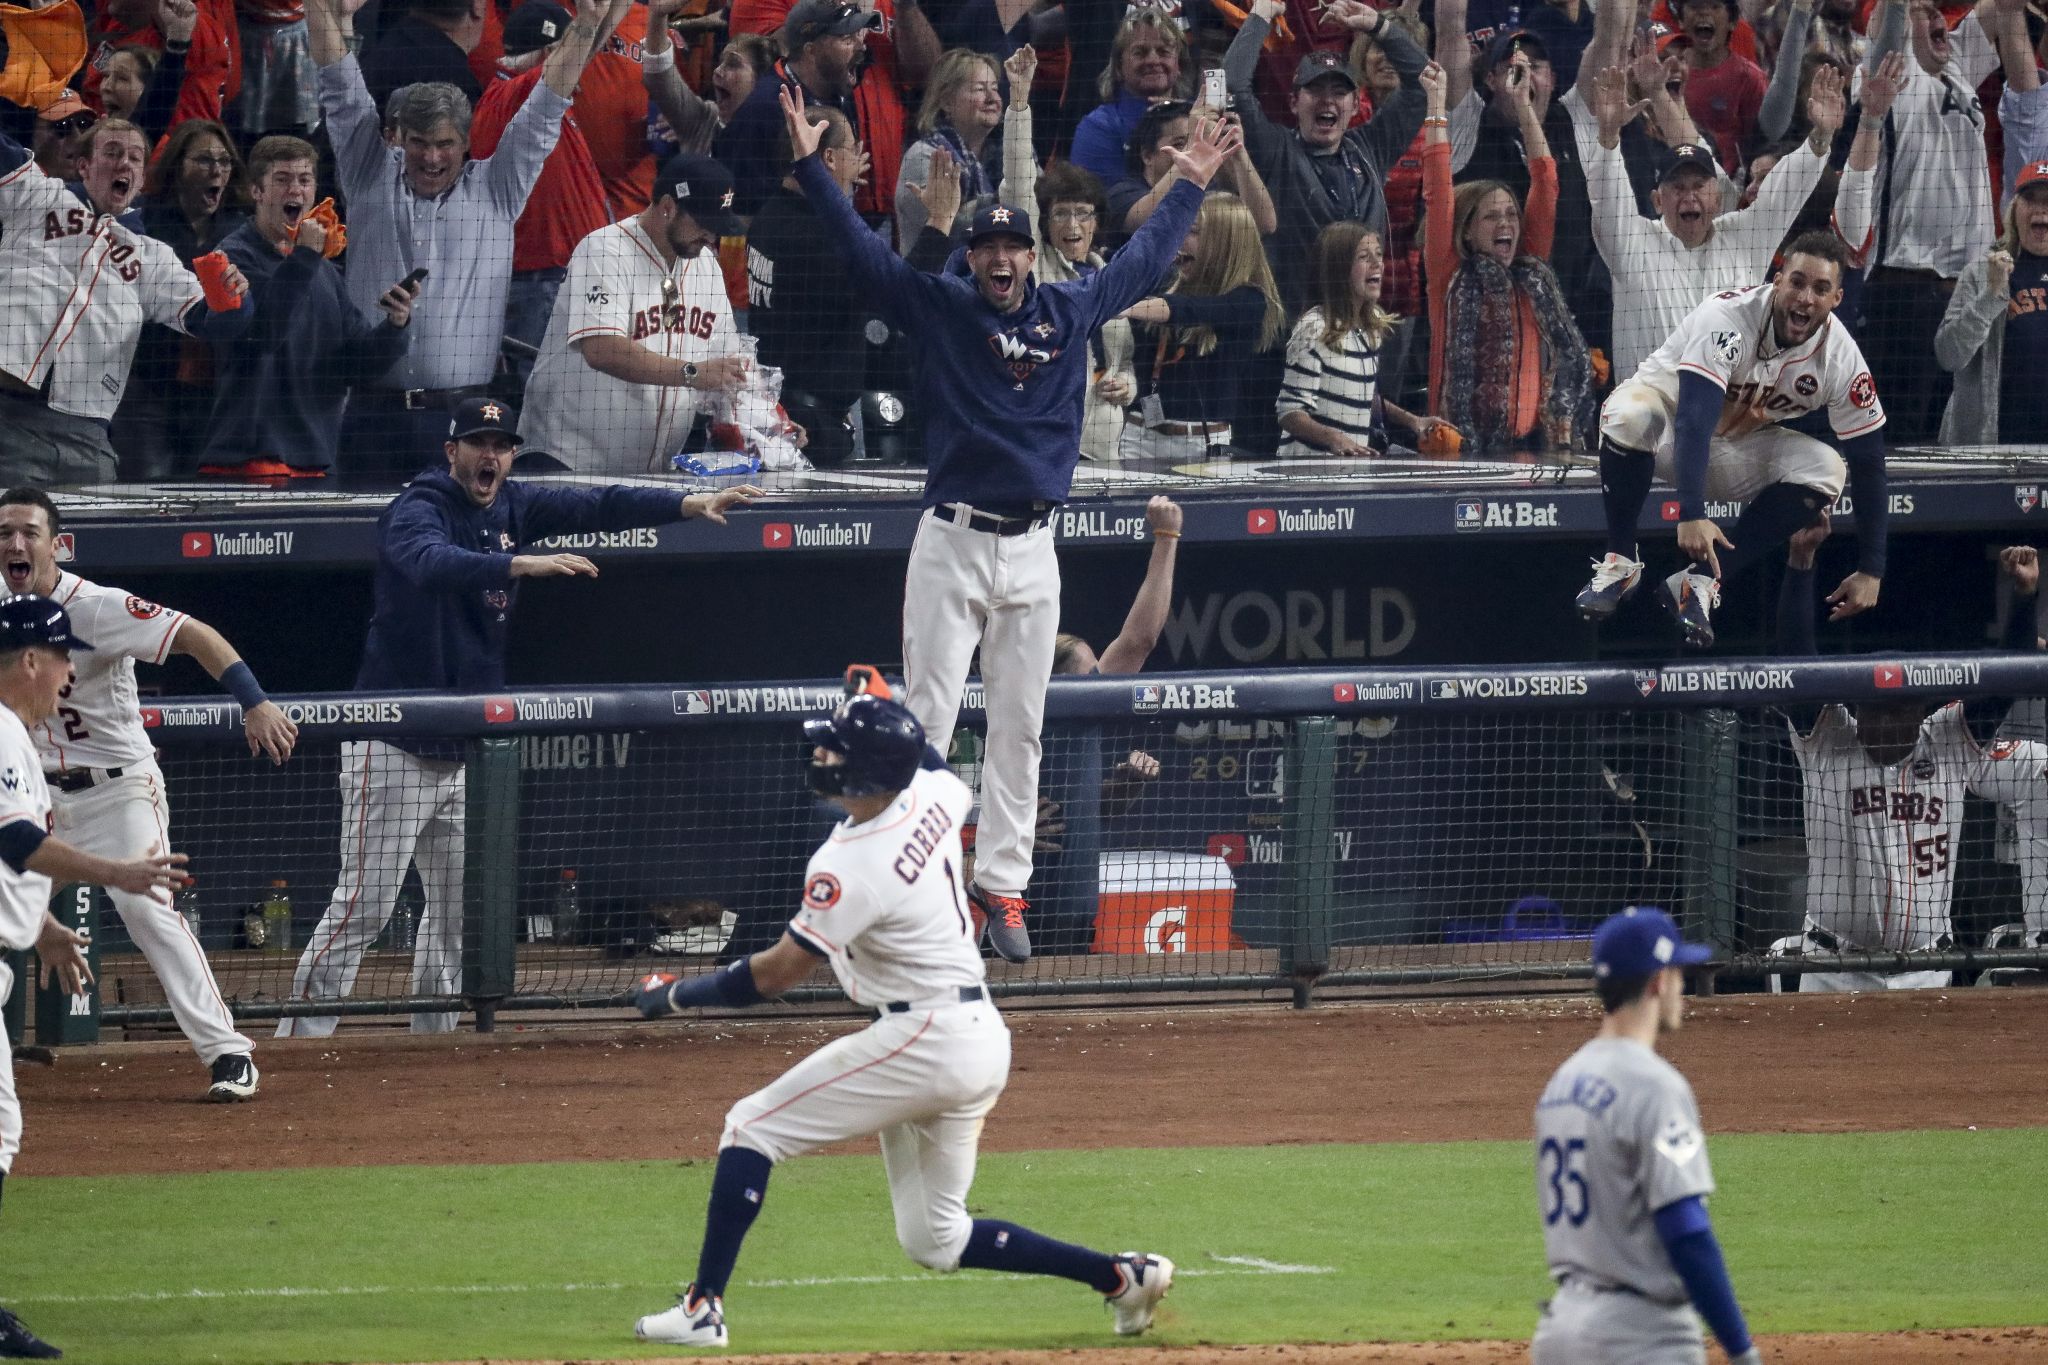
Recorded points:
(1704,414)
(924,1075)
(1622,1176)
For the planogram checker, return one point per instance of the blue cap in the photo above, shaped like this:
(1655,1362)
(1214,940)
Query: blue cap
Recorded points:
(1000,220)
(478,416)
(30,620)
(1640,942)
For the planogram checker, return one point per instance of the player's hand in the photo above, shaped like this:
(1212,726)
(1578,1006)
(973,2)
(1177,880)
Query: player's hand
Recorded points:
(940,193)
(1612,107)
(1045,833)
(1806,541)
(1154,309)
(1702,542)
(155,874)
(397,303)
(62,953)
(1209,146)
(270,731)
(176,19)
(1825,105)
(1162,514)
(1856,595)
(1998,270)
(713,506)
(1882,86)
(1117,388)
(552,566)
(2022,564)
(720,372)
(804,135)
(1021,68)
(1140,766)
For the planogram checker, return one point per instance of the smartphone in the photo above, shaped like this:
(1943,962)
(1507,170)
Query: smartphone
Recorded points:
(412,281)
(1213,92)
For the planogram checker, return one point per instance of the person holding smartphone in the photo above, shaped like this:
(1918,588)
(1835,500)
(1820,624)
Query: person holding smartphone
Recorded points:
(280,386)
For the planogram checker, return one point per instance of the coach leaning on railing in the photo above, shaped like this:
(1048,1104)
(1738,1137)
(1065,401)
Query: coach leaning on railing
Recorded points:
(447,575)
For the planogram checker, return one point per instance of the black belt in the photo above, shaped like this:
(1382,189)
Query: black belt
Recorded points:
(79,779)
(968,995)
(424,400)
(1834,945)
(995,523)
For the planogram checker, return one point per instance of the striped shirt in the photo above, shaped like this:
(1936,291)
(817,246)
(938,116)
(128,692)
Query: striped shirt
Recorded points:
(1336,385)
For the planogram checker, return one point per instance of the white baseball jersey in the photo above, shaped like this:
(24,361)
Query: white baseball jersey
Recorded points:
(883,900)
(619,285)
(79,288)
(99,721)
(1729,339)
(1882,842)
(24,896)
(1940,214)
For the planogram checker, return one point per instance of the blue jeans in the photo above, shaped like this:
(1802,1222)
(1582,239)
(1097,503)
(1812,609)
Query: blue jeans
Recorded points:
(528,308)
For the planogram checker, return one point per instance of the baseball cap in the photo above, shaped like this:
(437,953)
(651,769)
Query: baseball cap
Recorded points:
(475,416)
(811,20)
(32,620)
(1640,942)
(701,188)
(999,220)
(1666,37)
(1688,156)
(66,106)
(535,25)
(1317,65)
(2031,174)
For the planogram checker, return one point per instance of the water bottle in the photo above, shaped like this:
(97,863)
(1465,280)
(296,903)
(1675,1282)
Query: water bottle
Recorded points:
(188,907)
(568,910)
(277,918)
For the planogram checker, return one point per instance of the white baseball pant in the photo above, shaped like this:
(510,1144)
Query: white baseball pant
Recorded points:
(10,1102)
(968,588)
(924,1081)
(122,818)
(1584,1326)
(395,810)
(1637,416)
(1842,983)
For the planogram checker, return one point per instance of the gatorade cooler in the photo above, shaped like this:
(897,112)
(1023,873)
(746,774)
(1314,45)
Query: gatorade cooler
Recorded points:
(1159,902)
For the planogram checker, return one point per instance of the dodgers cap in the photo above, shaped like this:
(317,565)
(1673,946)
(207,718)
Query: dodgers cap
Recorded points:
(1640,942)
(31,620)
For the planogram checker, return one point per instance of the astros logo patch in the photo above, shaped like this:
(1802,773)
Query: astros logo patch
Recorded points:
(143,611)
(821,892)
(1863,390)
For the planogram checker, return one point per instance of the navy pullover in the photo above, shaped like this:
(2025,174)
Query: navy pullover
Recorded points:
(1000,393)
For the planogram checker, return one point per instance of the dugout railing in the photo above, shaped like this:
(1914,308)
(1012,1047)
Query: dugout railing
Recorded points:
(1281,832)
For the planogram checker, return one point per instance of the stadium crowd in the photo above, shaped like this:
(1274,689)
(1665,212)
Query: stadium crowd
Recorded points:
(287,237)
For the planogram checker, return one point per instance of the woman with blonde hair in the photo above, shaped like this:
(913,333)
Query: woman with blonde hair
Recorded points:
(1994,338)
(1192,343)
(1331,400)
(1508,366)
(963,108)
(1149,63)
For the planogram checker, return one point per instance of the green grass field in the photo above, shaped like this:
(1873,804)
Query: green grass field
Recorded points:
(1857,1232)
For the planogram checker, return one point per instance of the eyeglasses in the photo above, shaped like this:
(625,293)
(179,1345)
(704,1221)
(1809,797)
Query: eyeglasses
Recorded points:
(1073,213)
(211,163)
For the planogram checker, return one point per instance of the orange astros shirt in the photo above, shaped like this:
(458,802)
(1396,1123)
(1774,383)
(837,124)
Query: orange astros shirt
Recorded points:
(611,106)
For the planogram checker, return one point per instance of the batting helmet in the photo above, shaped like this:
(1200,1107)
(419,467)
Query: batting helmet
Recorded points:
(882,743)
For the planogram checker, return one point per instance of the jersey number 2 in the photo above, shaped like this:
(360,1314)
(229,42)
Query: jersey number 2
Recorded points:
(74,723)
(1560,1165)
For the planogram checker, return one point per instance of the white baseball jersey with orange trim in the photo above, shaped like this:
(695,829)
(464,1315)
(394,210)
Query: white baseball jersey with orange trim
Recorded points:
(620,285)
(24,896)
(99,719)
(1728,339)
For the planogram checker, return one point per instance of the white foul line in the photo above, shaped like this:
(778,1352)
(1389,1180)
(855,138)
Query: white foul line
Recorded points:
(1239,1265)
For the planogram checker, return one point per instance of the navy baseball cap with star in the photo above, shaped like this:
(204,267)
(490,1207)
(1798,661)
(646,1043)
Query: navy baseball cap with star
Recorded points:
(1640,942)
(1688,156)
(482,416)
(31,620)
(1000,220)
(535,25)
(1325,65)
(701,188)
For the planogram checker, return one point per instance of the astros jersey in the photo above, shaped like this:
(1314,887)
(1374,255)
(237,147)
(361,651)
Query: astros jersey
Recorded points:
(98,722)
(1729,340)
(1617,1138)
(1882,843)
(882,900)
(23,796)
(619,285)
(79,288)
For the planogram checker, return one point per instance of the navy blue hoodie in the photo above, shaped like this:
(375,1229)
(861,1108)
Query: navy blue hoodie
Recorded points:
(1000,393)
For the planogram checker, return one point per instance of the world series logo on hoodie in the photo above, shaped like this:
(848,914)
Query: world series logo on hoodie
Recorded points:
(1019,356)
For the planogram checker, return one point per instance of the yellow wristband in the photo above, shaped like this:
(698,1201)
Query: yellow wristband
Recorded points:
(1160,532)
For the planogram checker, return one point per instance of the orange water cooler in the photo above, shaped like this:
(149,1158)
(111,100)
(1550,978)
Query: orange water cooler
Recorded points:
(1160,902)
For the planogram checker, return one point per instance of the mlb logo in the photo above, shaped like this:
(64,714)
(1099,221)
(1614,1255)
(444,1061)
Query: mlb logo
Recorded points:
(1261,521)
(1444,689)
(67,547)
(1469,516)
(778,535)
(1646,680)
(1888,676)
(198,545)
(1343,692)
(1670,511)
(2027,495)
(500,710)
(1147,697)
(1229,847)
(691,703)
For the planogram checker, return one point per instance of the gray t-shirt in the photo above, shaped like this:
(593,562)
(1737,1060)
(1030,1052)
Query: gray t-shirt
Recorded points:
(1617,1138)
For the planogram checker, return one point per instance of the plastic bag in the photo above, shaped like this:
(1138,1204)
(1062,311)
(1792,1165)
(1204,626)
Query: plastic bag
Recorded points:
(757,423)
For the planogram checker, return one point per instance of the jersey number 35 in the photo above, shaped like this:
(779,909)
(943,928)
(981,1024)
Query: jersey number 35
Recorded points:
(1560,1166)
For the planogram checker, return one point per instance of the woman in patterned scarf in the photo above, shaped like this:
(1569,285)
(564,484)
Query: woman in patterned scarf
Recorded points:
(1507,364)
(963,108)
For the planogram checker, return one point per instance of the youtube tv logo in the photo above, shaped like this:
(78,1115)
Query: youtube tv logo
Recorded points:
(777,535)
(1261,521)
(500,710)
(1670,512)
(1230,848)
(1344,692)
(1888,675)
(198,545)
(152,717)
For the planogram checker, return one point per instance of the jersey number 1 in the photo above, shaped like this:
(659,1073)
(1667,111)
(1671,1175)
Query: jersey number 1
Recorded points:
(1564,1180)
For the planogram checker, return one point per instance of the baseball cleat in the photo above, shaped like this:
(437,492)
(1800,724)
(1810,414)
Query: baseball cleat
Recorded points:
(234,1078)
(1691,597)
(1146,1280)
(655,997)
(1005,915)
(1614,578)
(18,1343)
(696,1320)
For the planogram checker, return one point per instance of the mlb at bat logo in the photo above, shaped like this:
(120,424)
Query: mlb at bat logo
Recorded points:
(1147,697)
(1470,516)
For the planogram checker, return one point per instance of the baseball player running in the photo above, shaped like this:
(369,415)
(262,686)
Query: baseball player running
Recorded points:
(1622,1178)
(1004,366)
(883,903)
(1704,414)
(99,762)
(36,651)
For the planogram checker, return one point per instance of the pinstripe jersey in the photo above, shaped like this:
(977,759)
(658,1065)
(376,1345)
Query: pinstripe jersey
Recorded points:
(99,721)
